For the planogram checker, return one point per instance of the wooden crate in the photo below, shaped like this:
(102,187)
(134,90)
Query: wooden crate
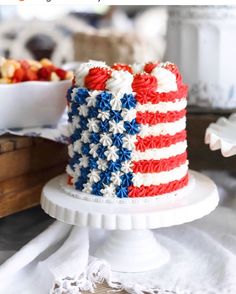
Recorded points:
(26,164)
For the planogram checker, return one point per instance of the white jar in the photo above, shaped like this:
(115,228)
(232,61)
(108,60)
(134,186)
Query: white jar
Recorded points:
(201,40)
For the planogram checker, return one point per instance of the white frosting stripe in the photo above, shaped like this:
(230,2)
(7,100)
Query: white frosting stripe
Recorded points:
(163,128)
(162,106)
(160,153)
(156,179)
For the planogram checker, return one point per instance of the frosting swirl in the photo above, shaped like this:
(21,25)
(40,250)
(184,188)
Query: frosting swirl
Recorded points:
(149,67)
(144,82)
(96,78)
(166,80)
(120,82)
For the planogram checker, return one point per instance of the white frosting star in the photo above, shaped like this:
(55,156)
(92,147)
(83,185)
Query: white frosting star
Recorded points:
(116,128)
(83,110)
(102,164)
(85,136)
(116,103)
(115,178)
(74,91)
(71,151)
(87,188)
(77,146)
(93,125)
(93,150)
(105,139)
(70,129)
(84,161)
(76,121)
(93,176)
(77,170)
(128,114)
(103,115)
(111,153)
(109,191)
(129,141)
(126,166)
(92,99)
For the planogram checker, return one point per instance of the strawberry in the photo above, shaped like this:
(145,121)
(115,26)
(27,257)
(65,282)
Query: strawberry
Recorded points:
(61,73)
(44,74)
(30,75)
(18,75)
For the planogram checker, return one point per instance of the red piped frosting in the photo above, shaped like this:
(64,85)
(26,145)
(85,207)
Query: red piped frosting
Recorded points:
(153,118)
(97,78)
(156,166)
(152,190)
(174,69)
(155,97)
(120,66)
(144,83)
(162,141)
(149,67)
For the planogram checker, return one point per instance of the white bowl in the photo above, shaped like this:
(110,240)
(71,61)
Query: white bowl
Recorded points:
(32,104)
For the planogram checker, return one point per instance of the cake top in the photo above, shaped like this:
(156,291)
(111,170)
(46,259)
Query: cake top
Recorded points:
(123,78)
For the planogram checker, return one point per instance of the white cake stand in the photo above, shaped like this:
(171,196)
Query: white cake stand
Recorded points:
(222,135)
(131,246)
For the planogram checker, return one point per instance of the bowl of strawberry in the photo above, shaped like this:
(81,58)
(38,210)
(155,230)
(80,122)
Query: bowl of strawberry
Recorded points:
(32,93)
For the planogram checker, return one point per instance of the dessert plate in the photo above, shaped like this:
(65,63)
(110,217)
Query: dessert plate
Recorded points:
(222,135)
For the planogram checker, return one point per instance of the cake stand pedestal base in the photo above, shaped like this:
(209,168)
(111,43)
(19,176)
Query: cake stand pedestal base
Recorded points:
(133,251)
(131,245)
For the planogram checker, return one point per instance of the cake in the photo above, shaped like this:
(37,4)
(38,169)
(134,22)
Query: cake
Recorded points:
(127,130)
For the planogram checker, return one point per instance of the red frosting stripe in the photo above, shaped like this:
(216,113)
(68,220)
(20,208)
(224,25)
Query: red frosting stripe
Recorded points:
(148,191)
(161,141)
(144,96)
(97,78)
(153,118)
(144,82)
(156,166)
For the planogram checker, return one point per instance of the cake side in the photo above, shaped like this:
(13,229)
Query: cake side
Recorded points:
(127,127)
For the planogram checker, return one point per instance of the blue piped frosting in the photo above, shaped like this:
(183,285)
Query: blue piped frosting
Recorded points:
(97,173)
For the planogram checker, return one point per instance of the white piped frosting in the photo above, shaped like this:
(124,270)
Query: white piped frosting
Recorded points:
(156,179)
(166,80)
(120,82)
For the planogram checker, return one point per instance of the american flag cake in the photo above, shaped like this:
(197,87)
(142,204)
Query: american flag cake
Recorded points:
(127,130)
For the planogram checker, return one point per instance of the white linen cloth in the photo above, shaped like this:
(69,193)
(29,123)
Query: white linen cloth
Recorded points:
(57,133)
(203,257)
